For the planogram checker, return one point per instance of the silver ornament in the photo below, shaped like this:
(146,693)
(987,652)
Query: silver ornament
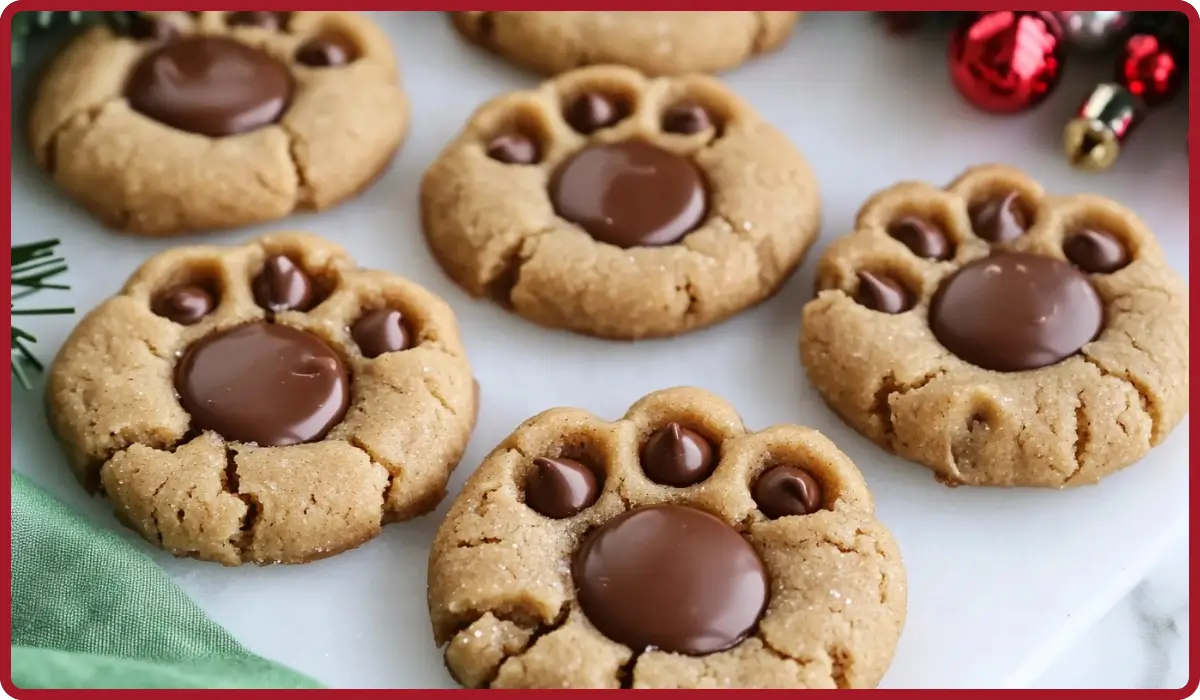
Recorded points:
(1093,30)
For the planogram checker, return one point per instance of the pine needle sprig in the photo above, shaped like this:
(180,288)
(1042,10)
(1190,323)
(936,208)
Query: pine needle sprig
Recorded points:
(34,265)
(28,26)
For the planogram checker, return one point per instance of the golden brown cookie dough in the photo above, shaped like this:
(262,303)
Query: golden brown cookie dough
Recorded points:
(209,120)
(656,43)
(1000,335)
(266,403)
(567,561)
(618,206)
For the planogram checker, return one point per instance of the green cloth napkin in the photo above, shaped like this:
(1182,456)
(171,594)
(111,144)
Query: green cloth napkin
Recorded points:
(91,611)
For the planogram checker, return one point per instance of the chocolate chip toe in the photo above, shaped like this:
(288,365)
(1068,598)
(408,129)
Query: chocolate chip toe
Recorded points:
(560,488)
(184,304)
(381,331)
(1095,251)
(782,491)
(282,285)
(676,456)
(686,118)
(514,149)
(880,292)
(326,52)
(1001,218)
(589,112)
(924,238)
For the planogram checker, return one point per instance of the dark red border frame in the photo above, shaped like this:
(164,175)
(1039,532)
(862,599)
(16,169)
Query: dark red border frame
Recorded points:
(810,5)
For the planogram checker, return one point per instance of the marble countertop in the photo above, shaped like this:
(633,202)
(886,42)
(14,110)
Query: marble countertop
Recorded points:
(1141,643)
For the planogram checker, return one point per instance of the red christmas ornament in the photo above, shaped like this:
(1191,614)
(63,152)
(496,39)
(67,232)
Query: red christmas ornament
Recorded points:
(1149,72)
(1149,69)
(1007,61)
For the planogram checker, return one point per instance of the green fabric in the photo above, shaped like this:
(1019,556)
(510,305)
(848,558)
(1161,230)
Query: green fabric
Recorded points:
(91,611)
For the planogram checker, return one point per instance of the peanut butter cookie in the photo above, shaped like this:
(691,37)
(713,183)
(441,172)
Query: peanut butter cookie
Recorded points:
(1000,335)
(656,43)
(669,549)
(185,121)
(264,403)
(618,206)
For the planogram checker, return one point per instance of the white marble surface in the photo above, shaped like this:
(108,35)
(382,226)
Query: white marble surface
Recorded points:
(1141,643)
(1103,537)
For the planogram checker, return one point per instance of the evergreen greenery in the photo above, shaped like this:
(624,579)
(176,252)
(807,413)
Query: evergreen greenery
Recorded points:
(34,266)
(27,26)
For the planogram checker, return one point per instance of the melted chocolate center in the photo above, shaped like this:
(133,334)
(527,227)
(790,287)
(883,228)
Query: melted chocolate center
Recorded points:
(211,86)
(263,383)
(670,578)
(630,194)
(1016,311)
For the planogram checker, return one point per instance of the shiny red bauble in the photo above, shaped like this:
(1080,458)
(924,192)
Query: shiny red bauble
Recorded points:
(1006,61)
(1149,69)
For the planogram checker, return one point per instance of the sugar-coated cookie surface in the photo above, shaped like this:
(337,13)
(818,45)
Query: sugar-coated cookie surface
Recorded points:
(187,121)
(998,334)
(656,43)
(672,548)
(619,206)
(269,402)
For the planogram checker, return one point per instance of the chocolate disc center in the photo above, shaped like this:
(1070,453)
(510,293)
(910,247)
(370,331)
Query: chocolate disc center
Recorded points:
(211,86)
(1016,311)
(263,383)
(672,578)
(630,194)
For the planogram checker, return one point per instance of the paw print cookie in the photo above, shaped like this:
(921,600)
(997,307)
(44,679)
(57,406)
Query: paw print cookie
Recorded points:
(656,43)
(266,403)
(185,121)
(1000,335)
(618,206)
(669,549)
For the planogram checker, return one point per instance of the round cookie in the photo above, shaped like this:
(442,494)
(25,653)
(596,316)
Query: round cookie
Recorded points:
(618,206)
(186,121)
(656,43)
(266,403)
(569,561)
(1000,335)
